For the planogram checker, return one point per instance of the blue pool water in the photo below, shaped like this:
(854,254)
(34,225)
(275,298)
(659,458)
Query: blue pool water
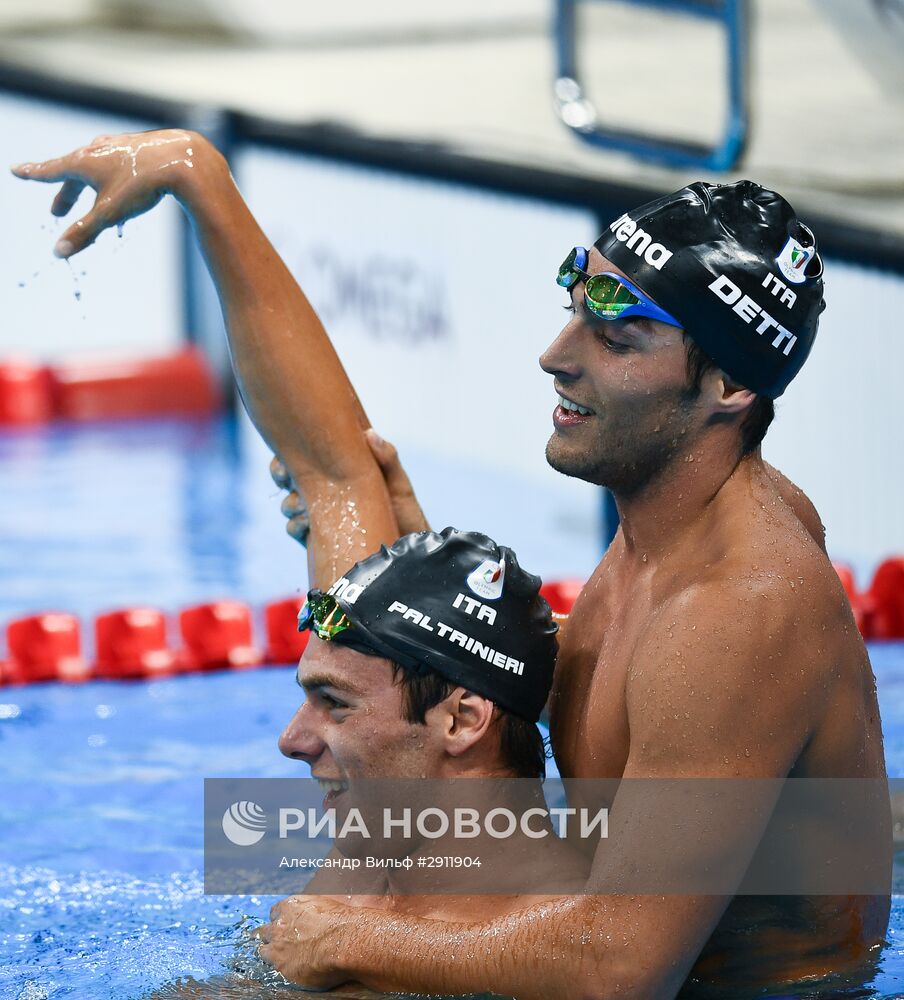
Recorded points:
(100,816)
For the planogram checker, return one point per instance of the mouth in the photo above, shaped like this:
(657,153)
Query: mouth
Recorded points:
(570,414)
(332,789)
(571,407)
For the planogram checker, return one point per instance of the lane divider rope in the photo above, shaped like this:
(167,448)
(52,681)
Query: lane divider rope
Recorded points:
(132,643)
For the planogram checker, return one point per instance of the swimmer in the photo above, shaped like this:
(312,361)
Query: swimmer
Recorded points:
(713,640)
(394,690)
(385,696)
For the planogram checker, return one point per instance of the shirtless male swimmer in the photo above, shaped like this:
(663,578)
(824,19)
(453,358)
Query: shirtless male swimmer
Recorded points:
(385,698)
(714,640)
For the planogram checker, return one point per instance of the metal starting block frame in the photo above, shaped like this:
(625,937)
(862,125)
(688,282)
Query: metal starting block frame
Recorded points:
(581,115)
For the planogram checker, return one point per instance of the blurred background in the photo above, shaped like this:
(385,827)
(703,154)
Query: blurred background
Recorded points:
(400,155)
(423,169)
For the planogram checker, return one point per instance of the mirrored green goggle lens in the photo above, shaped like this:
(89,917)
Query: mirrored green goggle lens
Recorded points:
(569,272)
(324,617)
(608,298)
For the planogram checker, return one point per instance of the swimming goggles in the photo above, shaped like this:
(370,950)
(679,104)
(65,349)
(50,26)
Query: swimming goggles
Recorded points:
(607,295)
(323,615)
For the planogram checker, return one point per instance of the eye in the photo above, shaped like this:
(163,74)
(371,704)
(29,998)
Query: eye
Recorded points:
(613,345)
(569,308)
(332,703)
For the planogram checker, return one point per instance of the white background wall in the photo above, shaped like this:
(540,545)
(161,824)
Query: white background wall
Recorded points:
(413,279)
(278,20)
(440,300)
(121,295)
(839,430)
(472,409)
(36,11)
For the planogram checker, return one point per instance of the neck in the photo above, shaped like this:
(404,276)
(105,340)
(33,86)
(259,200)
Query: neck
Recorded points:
(677,506)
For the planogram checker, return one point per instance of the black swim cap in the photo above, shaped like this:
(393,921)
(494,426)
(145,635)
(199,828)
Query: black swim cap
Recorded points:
(459,604)
(735,265)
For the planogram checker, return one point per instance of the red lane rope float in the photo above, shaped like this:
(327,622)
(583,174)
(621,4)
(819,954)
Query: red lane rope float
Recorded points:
(285,643)
(25,394)
(180,384)
(886,597)
(561,594)
(45,647)
(132,642)
(218,635)
(860,604)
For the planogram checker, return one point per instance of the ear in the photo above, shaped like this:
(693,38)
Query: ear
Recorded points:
(466,719)
(730,398)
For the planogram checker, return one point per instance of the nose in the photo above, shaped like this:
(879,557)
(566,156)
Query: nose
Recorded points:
(300,739)
(559,359)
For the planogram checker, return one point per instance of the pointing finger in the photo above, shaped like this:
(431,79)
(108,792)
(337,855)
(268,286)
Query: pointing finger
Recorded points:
(49,172)
(66,197)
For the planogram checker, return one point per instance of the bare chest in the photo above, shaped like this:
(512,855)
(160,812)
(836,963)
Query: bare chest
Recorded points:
(588,715)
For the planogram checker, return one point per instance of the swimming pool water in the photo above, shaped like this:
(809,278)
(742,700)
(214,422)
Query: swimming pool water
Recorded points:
(101,816)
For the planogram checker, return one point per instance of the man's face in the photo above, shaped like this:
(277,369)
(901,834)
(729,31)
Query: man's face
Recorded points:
(350,724)
(632,375)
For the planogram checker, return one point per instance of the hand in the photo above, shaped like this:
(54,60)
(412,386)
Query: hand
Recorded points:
(301,941)
(130,174)
(405,504)
(293,504)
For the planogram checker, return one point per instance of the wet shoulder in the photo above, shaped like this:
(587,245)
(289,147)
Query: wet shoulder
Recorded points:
(798,504)
(778,579)
(770,609)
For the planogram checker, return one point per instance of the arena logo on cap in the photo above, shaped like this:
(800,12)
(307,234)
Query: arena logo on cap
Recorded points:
(641,242)
(487,580)
(793,260)
(349,592)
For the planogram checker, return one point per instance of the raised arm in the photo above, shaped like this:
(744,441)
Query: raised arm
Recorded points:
(290,378)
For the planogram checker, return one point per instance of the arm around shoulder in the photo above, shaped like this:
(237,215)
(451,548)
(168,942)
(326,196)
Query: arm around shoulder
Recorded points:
(689,705)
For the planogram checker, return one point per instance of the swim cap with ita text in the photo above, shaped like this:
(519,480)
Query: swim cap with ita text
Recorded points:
(737,268)
(456,603)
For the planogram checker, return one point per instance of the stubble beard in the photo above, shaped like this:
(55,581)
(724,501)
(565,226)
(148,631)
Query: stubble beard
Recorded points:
(623,459)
